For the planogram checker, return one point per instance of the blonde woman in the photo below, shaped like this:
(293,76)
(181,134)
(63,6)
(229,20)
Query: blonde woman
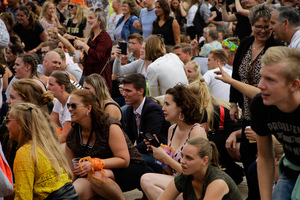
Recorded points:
(97,49)
(77,22)
(41,169)
(218,124)
(96,84)
(48,17)
(193,71)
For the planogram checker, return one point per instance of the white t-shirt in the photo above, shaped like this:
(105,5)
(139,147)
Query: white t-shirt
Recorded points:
(217,88)
(63,112)
(164,73)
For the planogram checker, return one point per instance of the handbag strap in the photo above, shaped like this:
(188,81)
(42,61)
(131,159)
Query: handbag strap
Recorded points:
(104,66)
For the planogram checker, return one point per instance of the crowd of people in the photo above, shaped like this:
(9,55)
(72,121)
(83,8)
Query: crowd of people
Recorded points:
(101,97)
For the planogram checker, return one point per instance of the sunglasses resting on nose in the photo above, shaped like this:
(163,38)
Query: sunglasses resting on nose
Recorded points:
(74,106)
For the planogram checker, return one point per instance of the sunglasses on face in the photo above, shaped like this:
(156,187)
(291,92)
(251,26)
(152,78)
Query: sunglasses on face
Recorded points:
(7,120)
(74,106)
(71,6)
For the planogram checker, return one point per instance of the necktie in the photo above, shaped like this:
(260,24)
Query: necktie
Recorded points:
(138,121)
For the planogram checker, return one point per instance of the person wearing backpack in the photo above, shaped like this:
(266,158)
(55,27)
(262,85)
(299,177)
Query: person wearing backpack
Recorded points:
(203,17)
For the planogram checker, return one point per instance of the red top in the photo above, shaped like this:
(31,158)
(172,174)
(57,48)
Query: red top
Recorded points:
(98,55)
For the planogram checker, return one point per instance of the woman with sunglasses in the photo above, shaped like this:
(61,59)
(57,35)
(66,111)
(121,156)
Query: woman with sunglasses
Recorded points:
(77,23)
(246,68)
(97,48)
(201,177)
(61,87)
(182,107)
(110,160)
(27,28)
(41,169)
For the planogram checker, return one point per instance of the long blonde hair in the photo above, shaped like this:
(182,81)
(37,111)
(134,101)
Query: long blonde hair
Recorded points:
(98,83)
(38,130)
(200,89)
(43,13)
(81,14)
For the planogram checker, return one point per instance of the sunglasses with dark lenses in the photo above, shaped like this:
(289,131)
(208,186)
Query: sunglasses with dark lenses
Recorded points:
(7,120)
(74,106)
(71,6)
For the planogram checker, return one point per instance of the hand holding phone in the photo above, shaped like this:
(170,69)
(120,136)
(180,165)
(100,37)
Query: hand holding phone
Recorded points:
(151,139)
(123,47)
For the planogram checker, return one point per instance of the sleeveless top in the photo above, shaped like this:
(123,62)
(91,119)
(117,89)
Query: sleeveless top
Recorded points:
(177,155)
(117,105)
(165,30)
(100,148)
(183,184)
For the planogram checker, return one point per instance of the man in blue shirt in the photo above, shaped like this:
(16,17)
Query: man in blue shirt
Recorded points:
(147,17)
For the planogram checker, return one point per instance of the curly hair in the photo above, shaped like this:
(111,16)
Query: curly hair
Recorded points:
(132,6)
(98,116)
(188,102)
(258,11)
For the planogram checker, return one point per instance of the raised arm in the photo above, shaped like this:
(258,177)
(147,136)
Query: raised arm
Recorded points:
(226,16)
(240,10)
(248,90)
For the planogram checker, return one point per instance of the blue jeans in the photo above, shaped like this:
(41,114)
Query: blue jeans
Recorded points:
(150,162)
(284,188)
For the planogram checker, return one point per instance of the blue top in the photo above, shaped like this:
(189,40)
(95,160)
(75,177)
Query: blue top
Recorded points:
(127,27)
(147,18)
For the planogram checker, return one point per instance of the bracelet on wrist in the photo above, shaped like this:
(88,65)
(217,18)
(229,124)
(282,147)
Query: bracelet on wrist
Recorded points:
(58,35)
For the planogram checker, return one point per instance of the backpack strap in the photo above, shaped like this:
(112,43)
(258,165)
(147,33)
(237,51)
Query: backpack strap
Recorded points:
(222,117)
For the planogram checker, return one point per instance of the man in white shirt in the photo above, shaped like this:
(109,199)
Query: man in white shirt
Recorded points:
(217,88)
(285,24)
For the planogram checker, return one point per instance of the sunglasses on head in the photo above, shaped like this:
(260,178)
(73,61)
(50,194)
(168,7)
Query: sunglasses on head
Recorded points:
(74,106)
(7,120)
(71,6)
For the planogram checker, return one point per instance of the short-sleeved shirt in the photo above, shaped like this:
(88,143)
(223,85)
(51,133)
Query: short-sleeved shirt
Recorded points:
(64,114)
(147,18)
(35,180)
(183,184)
(205,11)
(27,35)
(284,126)
(76,29)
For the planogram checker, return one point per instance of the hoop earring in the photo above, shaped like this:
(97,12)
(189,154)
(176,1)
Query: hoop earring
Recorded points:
(181,117)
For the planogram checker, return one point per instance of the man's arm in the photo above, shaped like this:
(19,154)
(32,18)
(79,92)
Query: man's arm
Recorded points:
(265,166)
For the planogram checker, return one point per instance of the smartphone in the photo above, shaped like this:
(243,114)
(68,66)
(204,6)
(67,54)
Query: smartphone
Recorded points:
(76,56)
(149,137)
(123,47)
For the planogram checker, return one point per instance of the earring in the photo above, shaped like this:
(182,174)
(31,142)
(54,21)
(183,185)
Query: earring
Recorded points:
(87,113)
(181,117)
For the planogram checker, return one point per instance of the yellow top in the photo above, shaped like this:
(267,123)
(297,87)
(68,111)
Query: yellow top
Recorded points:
(35,181)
